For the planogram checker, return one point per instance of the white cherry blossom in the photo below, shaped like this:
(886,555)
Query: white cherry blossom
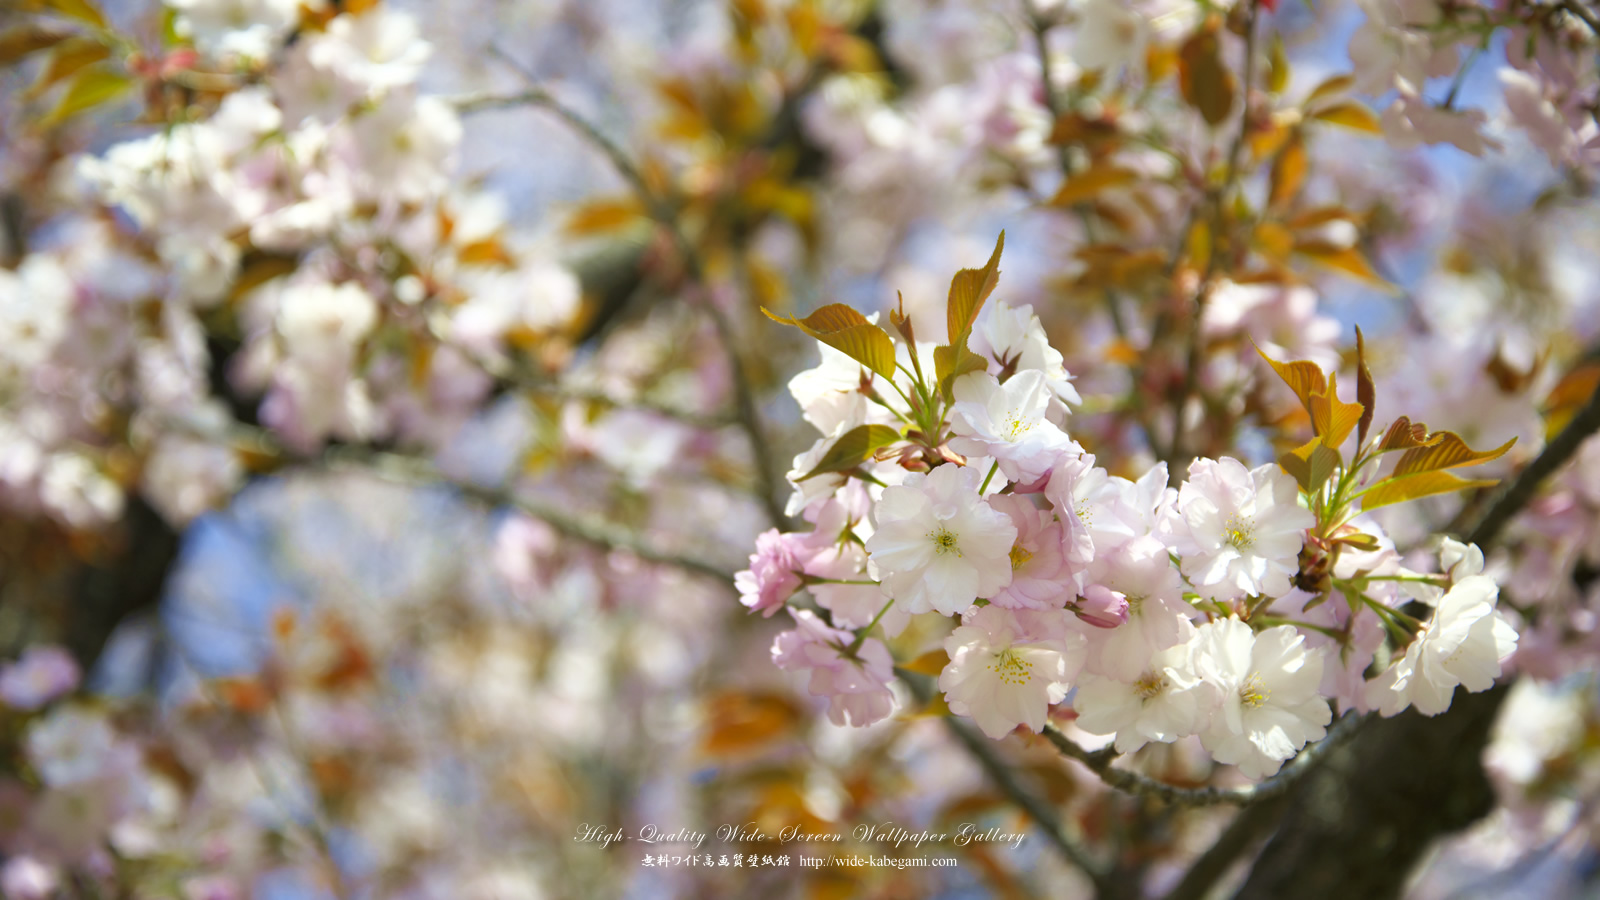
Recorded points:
(1244,529)
(1007,667)
(1268,683)
(939,545)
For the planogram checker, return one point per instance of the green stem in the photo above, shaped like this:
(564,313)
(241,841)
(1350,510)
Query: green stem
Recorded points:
(993,467)
(861,636)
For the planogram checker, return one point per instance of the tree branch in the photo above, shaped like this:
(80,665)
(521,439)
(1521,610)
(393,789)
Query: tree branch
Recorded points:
(1100,763)
(1028,800)
(1361,823)
(665,215)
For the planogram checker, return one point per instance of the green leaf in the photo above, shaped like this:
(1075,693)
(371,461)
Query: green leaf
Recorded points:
(853,448)
(1311,464)
(1366,391)
(1277,66)
(968,289)
(70,58)
(950,363)
(1419,484)
(89,88)
(849,332)
(1448,452)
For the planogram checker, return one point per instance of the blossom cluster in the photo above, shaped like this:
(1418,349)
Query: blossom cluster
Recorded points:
(369,291)
(1244,605)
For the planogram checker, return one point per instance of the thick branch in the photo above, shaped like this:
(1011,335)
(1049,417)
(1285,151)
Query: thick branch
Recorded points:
(1358,826)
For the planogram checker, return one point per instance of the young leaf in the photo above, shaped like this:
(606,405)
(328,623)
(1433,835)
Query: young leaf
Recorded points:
(1333,418)
(853,448)
(1302,377)
(82,10)
(89,88)
(1448,452)
(930,663)
(1311,464)
(16,43)
(849,332)
(1418,484)
(1288,171)
(1403,435)
(1277,66)
(1098,177)
(968,289)
(1334,86)
(950,363)
(66,60)
(1350,114)
(1205,82)
(1347,260)
(1366,391)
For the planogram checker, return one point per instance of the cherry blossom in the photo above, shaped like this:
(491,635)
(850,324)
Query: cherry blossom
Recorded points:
(1007,666)
(1245,528)
(938,545)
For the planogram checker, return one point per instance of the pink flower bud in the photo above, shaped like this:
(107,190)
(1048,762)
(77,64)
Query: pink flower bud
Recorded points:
(1102,607)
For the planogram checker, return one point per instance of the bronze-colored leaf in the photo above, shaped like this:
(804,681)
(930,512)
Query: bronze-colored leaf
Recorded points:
(1350,114)
(930,663)
(1333,418)
(968,289)
(604,216)
(1403,434)
(1205,82)
(82,10)
(1331,87)
(853,448)
(17,43)
(849,332)
(1346,260)
(1100,176)
(1366,391)
(1303,377)
(1418,484)
(1288,171)
(1569,395)
(740,722)
(1448,452)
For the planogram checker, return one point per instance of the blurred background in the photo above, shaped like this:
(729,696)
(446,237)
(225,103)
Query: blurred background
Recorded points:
(386,407)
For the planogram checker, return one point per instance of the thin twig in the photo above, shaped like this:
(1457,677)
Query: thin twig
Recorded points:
(587,528)
(1100,763)
(665,215)
(1028,800)
(1191,366)
(1514,496)
(411,470)
(1582,13)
